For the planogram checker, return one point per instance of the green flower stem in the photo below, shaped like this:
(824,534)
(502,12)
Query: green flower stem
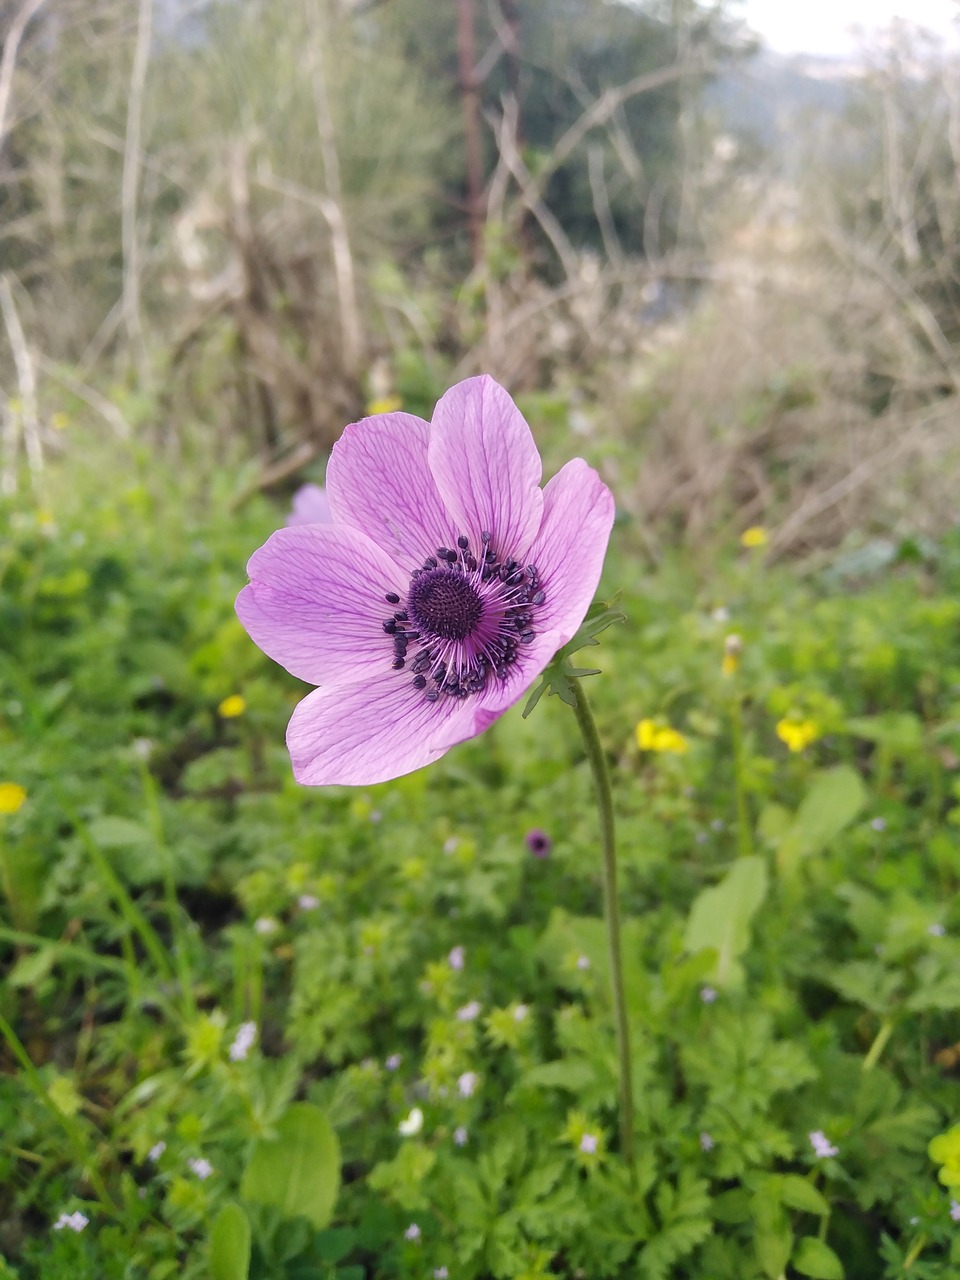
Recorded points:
(744,830)
(879,1044)
(611,910)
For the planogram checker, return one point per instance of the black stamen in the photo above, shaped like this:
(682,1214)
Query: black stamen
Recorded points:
(419,682)
(463,542)
(392,598)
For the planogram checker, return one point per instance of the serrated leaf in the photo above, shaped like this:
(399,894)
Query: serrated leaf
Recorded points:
(816,1259)
(298,1171)
(230,1244)
(721,916)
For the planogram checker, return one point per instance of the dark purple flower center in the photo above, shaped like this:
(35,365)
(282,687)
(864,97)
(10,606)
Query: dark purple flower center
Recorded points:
(465,619)
(444,602)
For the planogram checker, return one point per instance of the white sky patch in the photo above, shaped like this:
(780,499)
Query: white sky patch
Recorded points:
(829,27)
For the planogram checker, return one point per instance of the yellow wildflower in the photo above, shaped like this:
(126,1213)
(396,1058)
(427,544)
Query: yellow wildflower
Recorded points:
(12,797)
(384,404)
(797,734)
(59,420)
(232,707)
(755,536)
(654,737)
(944,1150)
(732,648)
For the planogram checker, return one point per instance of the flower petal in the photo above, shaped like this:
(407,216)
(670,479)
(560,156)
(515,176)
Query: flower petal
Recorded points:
(568,551)
(378,481)
(360,734)
(486,465)
(316,605)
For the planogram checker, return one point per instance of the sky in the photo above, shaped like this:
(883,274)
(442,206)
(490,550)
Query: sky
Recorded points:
(823,26)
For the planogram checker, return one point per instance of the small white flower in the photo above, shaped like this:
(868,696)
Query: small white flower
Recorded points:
(467,1084)
(717,824)
(412,1125)
(583,962)
(450,845)
(878,824)
(460,1136)
(720,614)
(156,1151)
(520,1013)
(706,1142)
(143,748)
(823,1148)
(440,1273)
(243,1041)
(72,1221)
(376,816)
(936,930)
(467,1012)
(588,1144)
(412,1232)
(456,957)
(265,925)
(955,1211)
(708,994)
(393,1061)
(308,902)
(201,1167)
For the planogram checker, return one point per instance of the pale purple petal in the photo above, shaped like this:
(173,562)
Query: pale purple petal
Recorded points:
(316,603)
(310,506)
(360,734)
(578,515)
(378,481)
(486,465)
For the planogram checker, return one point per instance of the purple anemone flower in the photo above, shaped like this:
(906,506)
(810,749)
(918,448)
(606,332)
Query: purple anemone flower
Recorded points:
(442,586)
(539,843)
(310,506)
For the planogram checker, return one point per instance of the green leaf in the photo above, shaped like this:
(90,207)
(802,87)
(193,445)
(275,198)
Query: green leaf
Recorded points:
(720,917)
(298,1171)
(900,731)
(814,1258)
(798,1193)
(230,1244)
(833,801)
(31,969)
(558,676)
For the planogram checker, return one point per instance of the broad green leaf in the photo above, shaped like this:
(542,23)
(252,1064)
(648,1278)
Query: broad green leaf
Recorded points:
(833,801)
(721,916)
(773,1240)
(31,969)
(230,1244)
(900,731)
(798,1193)
(298,1171)
(816,1259)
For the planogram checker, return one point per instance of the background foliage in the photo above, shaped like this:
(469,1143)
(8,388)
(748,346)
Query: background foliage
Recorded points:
(251,1030)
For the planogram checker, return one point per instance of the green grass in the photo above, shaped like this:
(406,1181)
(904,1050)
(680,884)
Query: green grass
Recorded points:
(791,938)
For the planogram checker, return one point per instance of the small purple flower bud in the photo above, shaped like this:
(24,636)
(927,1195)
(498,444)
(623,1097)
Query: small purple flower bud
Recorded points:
(539,843)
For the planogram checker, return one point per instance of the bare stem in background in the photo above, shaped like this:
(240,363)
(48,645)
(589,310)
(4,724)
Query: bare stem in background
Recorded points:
(130,184)
(470,101)
(27,379)
(332,206)
(11,45)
